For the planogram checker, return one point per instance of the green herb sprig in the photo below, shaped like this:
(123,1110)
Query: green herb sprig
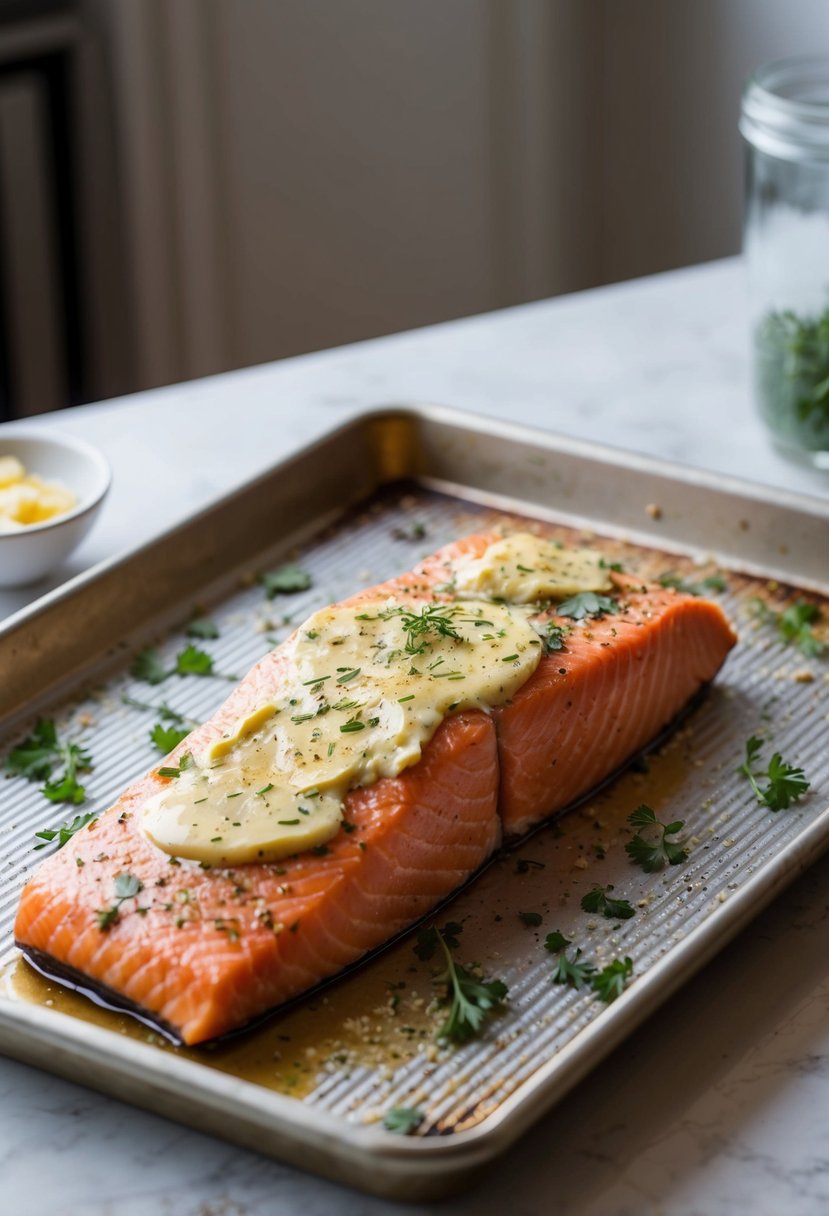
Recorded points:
(607,984)
(65,832)
(793,373)
(427,939)
(793,624)
(471,1000)
(404,1120)
(587,604)
(598,900)
(652,853)
(786,784)
(166,738)
(285,580)
(570,971)
(554,637)
(434,619)
(203,628)
(43,757)
(149,667)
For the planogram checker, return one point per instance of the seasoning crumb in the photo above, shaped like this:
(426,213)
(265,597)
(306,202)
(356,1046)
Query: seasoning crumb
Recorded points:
(804,676)
(654,510)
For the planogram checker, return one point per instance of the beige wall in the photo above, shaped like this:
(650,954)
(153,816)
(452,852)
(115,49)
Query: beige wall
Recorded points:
(671,78)
(295,174)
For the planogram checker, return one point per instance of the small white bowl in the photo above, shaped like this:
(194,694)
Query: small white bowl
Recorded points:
(34,551)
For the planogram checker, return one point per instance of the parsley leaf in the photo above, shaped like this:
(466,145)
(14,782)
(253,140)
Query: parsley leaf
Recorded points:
(36,756)
(202,627)
(569,971)
(652,854)
(41,754)
(793,624)
(165,738)
(147,666)
(127,886)
(786,783)
(470,999)
(556,941)
(572,972)
(531,919)
(194,662)
(191,661)
(587,603)
(427,939)
(403,1119)
(426,944)
(598,900)
(65,832)
(554,636)
(66,787)
(610,982)
(285,580)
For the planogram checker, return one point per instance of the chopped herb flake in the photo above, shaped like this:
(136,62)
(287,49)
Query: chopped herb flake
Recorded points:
(285,580)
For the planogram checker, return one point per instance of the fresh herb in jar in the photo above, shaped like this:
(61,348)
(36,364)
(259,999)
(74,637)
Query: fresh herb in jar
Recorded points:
(792,376)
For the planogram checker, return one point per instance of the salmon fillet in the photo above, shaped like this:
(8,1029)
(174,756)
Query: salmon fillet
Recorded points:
(588,709)
(204,951)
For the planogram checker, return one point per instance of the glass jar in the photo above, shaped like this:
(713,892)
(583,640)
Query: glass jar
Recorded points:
(785,124)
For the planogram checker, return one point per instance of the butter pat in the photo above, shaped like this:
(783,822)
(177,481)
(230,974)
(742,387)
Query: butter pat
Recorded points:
(363,689)
(523,569)
(27,499)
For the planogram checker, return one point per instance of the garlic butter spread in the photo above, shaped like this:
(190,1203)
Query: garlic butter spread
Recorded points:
(364,689)
(522,569)
(27,499)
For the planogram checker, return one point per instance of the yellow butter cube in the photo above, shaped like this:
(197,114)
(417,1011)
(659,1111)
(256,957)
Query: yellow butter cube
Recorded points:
(11,470)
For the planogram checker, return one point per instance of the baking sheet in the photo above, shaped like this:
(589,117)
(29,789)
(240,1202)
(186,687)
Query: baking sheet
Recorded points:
(312,1087)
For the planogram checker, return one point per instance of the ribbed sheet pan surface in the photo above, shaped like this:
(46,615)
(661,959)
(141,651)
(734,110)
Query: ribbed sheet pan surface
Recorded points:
(312,1085)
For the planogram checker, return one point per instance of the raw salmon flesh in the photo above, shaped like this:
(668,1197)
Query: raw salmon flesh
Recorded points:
(201,952)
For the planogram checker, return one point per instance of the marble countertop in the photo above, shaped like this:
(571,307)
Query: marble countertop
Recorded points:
(717,1106)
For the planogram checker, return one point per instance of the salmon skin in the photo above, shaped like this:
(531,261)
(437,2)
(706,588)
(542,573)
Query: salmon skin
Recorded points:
(202,952)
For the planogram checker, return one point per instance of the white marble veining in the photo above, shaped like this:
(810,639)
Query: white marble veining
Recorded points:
(718,1106)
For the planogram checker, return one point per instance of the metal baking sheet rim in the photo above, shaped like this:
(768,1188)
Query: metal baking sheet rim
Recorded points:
(365,1156)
